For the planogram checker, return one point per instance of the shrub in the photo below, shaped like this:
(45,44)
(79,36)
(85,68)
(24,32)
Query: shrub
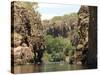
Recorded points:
(58,47)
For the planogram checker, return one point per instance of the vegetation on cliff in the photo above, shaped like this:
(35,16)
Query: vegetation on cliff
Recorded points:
(60,39)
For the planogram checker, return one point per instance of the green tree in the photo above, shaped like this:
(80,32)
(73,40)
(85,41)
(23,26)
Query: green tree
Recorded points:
(58,47)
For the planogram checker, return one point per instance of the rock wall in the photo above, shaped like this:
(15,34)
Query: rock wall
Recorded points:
(60,29)
(83,26)
(26,31)
(86,51)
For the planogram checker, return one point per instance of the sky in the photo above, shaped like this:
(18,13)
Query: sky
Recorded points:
(49,10)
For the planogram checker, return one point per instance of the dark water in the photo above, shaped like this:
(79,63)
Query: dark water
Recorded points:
(32,68)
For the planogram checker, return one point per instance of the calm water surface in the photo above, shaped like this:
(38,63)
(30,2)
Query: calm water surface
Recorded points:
(32,68)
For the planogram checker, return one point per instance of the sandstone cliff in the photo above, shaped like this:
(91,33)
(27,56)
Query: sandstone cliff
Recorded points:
(26,31)
(86,51)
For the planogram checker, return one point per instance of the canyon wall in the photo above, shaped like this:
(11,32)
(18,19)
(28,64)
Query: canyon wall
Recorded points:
(86,50)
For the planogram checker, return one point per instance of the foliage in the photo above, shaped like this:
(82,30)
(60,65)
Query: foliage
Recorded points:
(45,57)
(28,24)
(56,18)
(57,47)
(68,18)
(28,5)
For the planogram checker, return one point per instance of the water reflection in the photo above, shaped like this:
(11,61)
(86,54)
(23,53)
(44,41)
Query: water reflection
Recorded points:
(31,68)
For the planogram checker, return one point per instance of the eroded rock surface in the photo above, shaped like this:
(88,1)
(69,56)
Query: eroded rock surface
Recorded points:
(26,30)
(86,50)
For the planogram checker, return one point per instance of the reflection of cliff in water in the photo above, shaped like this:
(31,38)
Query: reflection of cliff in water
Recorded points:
(46,68)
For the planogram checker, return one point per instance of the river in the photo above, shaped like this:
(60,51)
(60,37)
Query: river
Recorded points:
(33,68)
